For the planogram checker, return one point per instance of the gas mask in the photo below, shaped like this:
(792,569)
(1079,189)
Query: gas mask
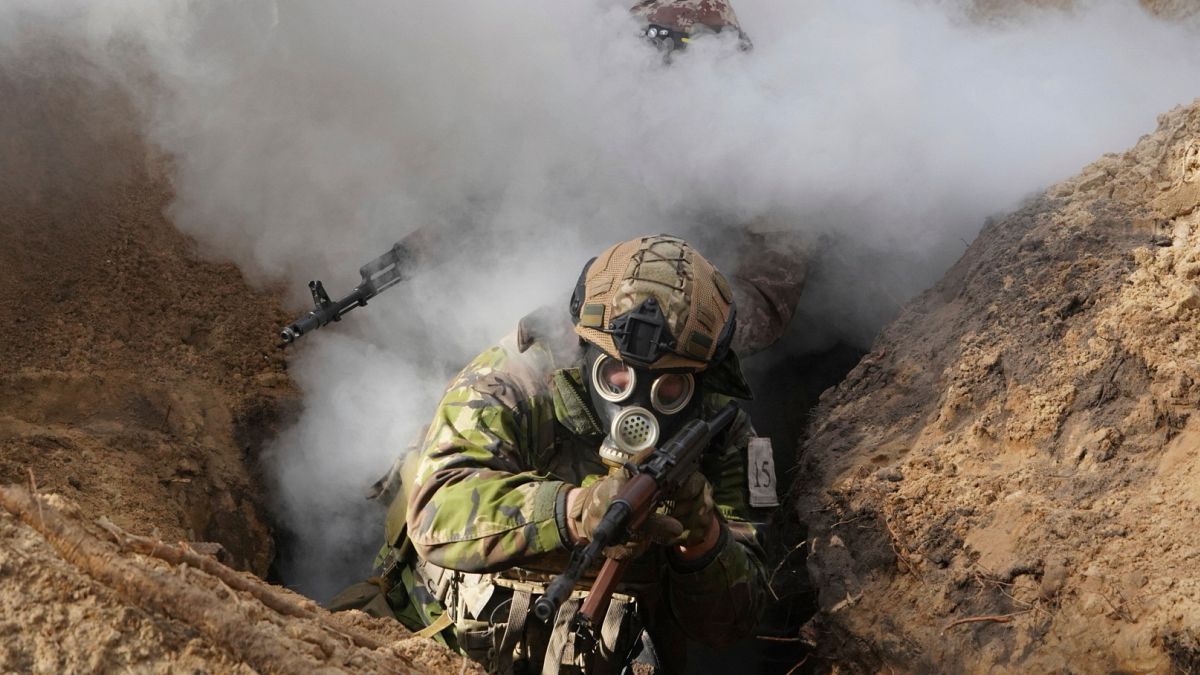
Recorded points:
(637,407)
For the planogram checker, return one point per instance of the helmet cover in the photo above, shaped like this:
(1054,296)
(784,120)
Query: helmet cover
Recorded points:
(655,302)
(686,16)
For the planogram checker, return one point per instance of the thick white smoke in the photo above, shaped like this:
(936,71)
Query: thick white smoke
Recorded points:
(307,136)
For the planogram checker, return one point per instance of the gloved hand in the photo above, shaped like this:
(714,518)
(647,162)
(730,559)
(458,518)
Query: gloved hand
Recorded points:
(586,507)
(694,508)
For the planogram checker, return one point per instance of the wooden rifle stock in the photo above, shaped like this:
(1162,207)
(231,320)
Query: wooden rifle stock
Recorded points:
(641,494)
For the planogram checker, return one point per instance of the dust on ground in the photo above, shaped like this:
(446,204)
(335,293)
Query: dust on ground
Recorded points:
(1011,478)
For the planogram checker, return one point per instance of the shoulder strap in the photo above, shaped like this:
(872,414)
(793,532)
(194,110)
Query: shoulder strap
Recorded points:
(514,630)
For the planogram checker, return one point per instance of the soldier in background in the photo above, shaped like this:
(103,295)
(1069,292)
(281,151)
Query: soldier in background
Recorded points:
(771,263)
(769,272)
(673,23)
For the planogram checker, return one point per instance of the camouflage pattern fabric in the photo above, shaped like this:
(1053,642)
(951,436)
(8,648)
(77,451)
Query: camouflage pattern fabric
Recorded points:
(686,16)
(767,282)
(512,434)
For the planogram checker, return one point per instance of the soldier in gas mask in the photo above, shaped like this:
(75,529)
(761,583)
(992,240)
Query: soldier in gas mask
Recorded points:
(525,453)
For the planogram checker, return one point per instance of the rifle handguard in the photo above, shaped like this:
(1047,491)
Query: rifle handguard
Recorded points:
(612,524)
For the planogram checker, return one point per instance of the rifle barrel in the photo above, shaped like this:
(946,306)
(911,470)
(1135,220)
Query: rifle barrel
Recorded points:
(376,276)
(322,315)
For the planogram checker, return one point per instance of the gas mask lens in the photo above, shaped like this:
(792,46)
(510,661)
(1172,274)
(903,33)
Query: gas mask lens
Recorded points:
(613,380)
(672,392)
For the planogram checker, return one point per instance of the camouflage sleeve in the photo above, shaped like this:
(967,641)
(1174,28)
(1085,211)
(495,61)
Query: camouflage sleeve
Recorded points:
(719,598)
(475,507)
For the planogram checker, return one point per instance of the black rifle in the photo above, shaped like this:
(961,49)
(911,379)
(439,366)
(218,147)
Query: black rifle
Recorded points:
(377,276)
(654,479)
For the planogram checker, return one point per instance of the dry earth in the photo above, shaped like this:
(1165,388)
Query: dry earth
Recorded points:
(96,599)
(139,384)
(138,379)
(1011,478)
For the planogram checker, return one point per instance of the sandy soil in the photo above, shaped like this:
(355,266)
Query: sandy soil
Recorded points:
(1010,478)
(1008,481)
(139,379)
(76,597)
(140,383)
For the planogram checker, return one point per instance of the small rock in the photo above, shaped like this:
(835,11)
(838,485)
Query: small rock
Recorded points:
(1054,577)
(271,380)
(213,550)
(891,474)
(1093,180)
(1190,299)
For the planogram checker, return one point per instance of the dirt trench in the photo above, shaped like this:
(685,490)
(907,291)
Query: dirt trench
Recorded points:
(98,599)
(140,382)
(139,379)
(1009,479)
(1006,481)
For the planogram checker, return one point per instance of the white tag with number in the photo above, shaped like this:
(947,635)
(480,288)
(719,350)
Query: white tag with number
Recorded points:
(760,473)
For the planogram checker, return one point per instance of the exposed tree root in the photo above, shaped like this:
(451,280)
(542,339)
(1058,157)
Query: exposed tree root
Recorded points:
(993,618)
(237,581)
(303,643)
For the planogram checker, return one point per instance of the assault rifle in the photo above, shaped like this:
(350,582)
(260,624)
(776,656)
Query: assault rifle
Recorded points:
(378,275)
(654,479)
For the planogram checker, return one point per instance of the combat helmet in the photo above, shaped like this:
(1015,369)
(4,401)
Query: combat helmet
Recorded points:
(656,303)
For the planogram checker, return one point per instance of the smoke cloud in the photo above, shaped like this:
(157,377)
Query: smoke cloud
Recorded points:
(308,136)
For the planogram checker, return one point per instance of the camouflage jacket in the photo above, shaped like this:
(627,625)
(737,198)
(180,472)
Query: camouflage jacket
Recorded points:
(514,432)
(687,15)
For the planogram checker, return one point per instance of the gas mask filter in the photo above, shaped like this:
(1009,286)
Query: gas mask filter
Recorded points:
(636,406)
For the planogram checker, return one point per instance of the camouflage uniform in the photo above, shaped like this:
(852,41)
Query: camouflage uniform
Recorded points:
(767,283)
(486,517)
(688,16)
